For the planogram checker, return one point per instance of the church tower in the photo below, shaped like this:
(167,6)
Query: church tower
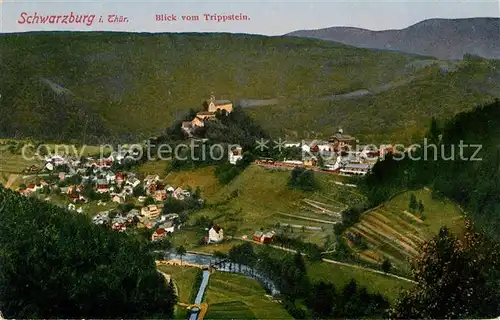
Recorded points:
(211,103)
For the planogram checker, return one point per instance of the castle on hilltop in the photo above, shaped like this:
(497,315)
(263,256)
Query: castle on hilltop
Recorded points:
(211,106)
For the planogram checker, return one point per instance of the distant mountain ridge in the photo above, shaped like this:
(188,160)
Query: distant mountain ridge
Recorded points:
(97,87)
(447,39)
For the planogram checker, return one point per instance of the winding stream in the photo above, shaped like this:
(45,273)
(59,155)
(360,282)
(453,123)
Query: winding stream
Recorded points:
(224,266)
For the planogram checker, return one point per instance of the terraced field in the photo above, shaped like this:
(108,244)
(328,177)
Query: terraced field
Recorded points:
(391,232)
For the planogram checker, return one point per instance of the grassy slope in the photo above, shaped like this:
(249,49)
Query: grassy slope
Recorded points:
(155,76)
(183,277)
(202,177)
(341,275)
(263,193)
(233,296)
(391,233)
(264,198)
(16,163)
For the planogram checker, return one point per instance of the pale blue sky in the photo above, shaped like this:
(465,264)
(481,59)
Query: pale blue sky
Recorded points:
(266,17)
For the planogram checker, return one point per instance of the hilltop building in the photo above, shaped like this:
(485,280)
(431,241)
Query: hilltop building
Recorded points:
(211,106)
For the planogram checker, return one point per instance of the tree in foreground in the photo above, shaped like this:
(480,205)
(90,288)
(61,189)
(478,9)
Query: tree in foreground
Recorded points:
(181,252)
(386,265)
(457,278)
(57,265)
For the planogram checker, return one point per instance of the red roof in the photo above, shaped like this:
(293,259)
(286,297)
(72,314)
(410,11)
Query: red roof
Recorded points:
(31,186)
(102,186)
(160,231)
(74,196)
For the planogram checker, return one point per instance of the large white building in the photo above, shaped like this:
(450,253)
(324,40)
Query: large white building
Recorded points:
(356,169)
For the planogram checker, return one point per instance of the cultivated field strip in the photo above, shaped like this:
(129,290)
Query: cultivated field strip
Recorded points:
(391,232)
(385,239)
(407,228)
(382,248)
(389,216)
(307,218)
(13,163)
(299,226)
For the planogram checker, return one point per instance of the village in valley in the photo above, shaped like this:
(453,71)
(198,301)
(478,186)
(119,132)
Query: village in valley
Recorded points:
(123,199)
(132,201)
(292,197)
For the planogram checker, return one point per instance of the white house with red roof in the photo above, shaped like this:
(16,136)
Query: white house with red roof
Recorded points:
(33,187)
(159,234)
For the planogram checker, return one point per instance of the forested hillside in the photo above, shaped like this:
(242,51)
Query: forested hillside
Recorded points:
(468,174)
(98,86)
(55,264)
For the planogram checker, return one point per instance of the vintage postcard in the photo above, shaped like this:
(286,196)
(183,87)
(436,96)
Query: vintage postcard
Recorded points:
(249,159)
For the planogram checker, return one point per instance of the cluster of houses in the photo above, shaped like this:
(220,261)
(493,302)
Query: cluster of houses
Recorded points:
(341,154)
(99,175)
(264,237)
(149,217)
(97,172)
(211,106)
